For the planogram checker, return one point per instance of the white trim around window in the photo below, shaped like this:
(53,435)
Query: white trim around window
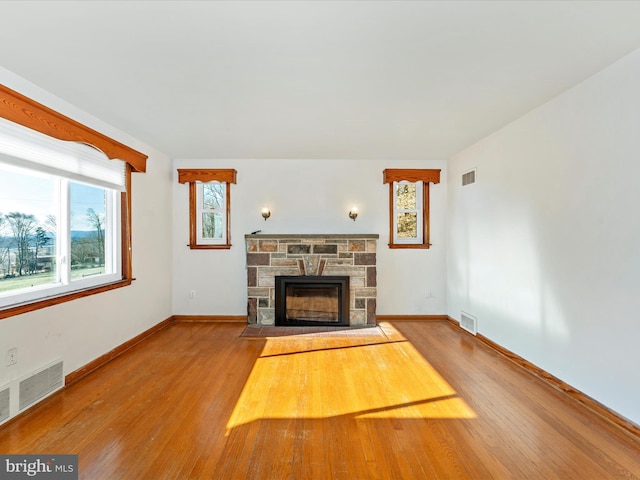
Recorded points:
(414,214)
(48,244)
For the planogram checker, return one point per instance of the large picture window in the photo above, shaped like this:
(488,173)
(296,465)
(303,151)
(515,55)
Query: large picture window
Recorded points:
(56,235)
(65,202)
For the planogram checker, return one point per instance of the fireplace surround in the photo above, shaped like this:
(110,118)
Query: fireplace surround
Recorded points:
(308,255)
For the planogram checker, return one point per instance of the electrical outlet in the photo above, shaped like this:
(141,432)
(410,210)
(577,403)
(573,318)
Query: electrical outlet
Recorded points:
(192,294)
(12,356)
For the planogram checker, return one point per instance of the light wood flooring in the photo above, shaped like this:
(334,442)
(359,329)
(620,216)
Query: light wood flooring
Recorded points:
(410,400)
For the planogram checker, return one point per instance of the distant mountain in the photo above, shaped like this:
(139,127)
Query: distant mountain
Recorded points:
(75,235)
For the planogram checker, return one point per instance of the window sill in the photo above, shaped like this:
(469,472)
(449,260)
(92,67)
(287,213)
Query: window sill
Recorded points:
(226,246)
(410,245)
(47,302)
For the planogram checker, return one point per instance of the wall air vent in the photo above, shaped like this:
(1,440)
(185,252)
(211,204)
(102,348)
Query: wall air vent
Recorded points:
(468,323)
(469,177)
(40,384)
(4,404)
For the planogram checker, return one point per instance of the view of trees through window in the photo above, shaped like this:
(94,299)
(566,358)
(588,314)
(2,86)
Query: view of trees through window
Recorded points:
(213,195)
(407,226)
(34,222)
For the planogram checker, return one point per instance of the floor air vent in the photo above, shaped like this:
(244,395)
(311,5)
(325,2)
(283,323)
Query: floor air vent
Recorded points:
(40,384)
(468,323)
(469,177)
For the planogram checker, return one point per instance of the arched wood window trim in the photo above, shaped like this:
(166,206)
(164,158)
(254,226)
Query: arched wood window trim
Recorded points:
(24,111)
(196,175)
(424,175)
(31,114)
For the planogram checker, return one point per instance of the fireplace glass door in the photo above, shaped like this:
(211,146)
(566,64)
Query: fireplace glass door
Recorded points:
(312,304)
(312,300)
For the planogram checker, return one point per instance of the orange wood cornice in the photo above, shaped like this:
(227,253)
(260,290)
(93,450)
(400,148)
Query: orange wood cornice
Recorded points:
(427,175)
(186,175)
(31,114)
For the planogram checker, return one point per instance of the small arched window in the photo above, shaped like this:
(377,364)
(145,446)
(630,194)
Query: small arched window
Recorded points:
(209,206)
(409,206)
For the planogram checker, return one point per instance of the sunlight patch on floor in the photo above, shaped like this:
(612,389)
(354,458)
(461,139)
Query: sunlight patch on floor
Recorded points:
(319,378)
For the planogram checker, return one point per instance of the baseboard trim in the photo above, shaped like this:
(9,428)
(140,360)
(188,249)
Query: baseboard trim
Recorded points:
(116,352)
(411,318)
(210,318)
(603,411)
(119,350)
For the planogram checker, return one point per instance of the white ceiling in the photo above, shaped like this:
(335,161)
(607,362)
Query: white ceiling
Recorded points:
(333,79)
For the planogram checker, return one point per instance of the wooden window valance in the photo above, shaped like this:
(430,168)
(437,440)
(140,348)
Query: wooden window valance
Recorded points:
(24,111)
(187,175)
(427,175)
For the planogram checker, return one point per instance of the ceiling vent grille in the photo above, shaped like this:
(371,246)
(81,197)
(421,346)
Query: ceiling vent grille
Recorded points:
(468,323)
(469,177)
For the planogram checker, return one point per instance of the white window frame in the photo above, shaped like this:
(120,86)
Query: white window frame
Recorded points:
(418,210)
(200,210)
(63,283)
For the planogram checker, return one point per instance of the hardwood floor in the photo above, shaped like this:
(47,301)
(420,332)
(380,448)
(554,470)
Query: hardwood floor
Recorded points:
(414,400)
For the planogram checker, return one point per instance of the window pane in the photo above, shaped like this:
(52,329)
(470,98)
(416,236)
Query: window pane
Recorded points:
(407,225)
(211,225)
(213,195)
(27,229)
(87,230)
(405,196)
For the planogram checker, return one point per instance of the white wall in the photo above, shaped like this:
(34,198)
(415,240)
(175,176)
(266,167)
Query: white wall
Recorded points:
(545,247)
(81,330)
(308,196)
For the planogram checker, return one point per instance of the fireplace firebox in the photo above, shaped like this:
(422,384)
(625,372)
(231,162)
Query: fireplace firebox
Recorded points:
(312,300)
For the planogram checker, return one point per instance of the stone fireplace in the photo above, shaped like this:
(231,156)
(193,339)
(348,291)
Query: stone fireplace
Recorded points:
(311,257)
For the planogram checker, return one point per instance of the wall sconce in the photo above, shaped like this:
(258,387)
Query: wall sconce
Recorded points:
(266,213)
(353,213)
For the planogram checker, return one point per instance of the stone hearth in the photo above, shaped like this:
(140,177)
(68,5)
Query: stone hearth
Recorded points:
(323,254)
